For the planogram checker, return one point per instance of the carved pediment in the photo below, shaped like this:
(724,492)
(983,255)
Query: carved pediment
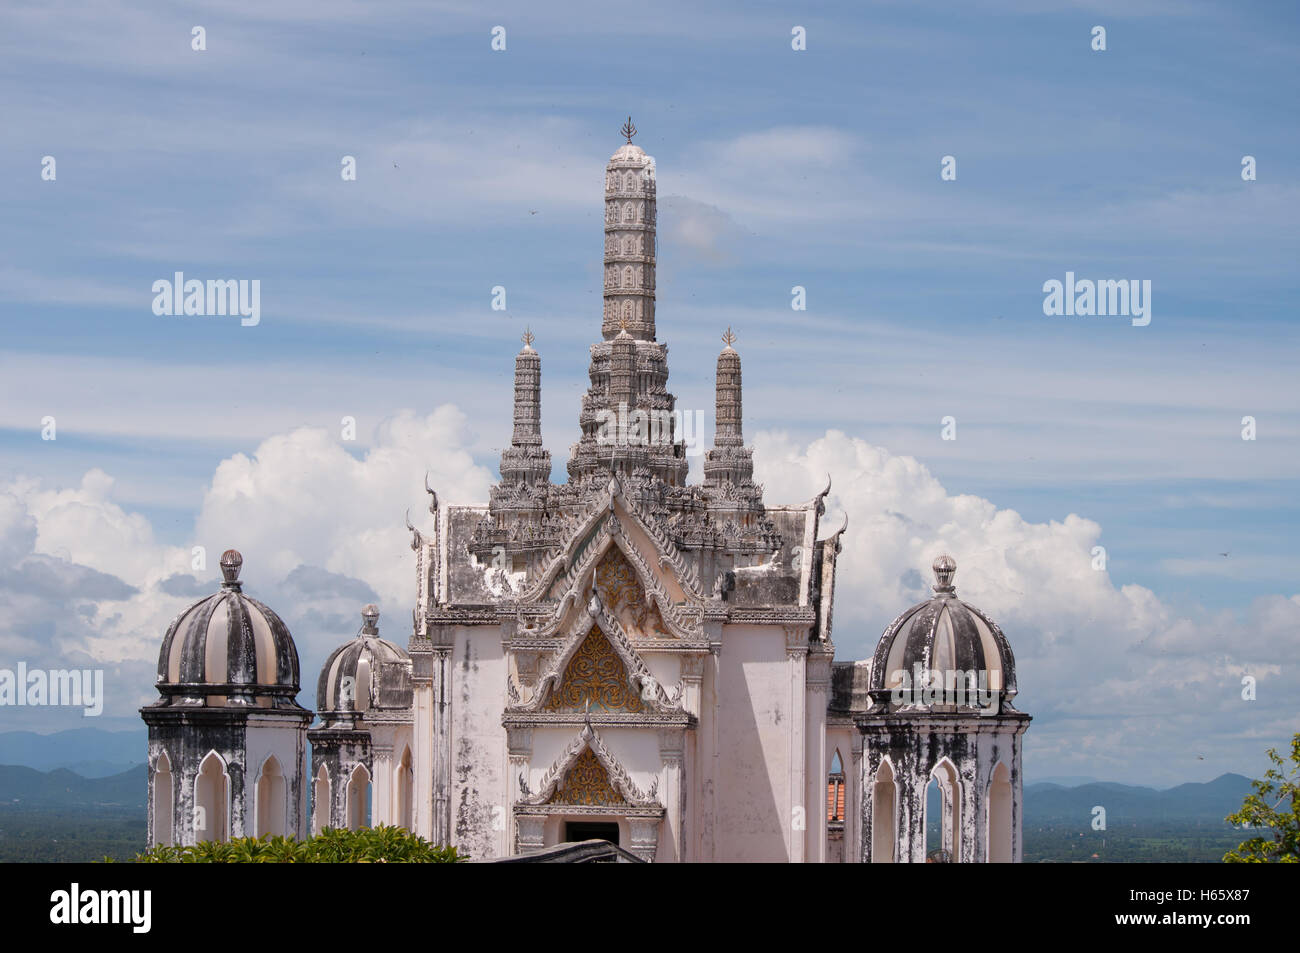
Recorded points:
(587,774)
(595,678)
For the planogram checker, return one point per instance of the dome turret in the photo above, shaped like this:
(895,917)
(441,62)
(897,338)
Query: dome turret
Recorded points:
(364,675)
(228,651)
(943,635)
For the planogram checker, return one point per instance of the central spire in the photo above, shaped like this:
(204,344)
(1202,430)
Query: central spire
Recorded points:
(627,417)
(630,241)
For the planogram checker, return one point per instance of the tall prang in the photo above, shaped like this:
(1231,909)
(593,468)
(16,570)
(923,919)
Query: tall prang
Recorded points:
(630,425)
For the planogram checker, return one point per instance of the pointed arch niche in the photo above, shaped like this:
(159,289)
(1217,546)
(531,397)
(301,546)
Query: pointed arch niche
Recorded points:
(320,797)
(358,802)
(884,816)
(272,799)
(164,801)
(999,846)
(212,800)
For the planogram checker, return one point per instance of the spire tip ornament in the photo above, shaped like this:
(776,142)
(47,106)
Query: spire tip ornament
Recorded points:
(729,338)
(528,337)
(945,567)
(628,130)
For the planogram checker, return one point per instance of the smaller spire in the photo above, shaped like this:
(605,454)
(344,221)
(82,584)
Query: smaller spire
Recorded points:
(370,620)
(628,130)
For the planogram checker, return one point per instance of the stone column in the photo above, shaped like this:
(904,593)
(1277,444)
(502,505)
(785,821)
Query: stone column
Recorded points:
(441,691)
(519,752)
(422,750)
(855,793)
(692,673)
(818,681)
(381,784)
(672,745)
(796,649)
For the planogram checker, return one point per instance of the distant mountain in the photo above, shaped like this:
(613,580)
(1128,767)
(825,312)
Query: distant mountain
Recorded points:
(90,752)
(1065,780)
(1209,802)
(26,788)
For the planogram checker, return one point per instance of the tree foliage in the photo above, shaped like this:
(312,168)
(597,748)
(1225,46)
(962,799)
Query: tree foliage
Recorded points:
(371,845)
(1275,809)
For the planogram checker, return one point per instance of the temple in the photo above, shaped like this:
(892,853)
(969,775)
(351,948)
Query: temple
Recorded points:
(622,656)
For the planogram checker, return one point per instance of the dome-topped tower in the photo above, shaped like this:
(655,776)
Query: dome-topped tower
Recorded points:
(365,736)
(973,661)
(364,674)
(940,714)
(227,738)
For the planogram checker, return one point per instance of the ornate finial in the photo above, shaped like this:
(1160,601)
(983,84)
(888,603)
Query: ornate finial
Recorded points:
(370,619)
(944,568)
(628,129)
(622,325)
(728,338)
(230,563)
(528,337)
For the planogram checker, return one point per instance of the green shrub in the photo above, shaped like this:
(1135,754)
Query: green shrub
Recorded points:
(372,845)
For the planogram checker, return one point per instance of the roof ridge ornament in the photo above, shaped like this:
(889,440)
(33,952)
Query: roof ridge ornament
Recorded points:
(628,130)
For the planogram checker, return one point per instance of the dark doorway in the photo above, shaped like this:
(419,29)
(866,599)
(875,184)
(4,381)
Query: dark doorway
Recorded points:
(584,830)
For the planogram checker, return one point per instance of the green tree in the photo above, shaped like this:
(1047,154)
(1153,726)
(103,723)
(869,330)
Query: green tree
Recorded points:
(1274,808)
(371,845)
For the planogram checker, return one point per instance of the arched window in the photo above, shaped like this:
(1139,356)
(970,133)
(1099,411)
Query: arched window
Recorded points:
(630,182)
(272,800)
(405,786)
(884,815)
(211,800)
(164,800)
(629,214)
(359,799)
(627,310)
(999,848)
(943,814)
(627,245)
(835,792)
(320,797)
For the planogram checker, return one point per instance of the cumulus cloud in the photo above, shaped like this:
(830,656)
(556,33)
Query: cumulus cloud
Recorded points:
(301,499)
(1120,680)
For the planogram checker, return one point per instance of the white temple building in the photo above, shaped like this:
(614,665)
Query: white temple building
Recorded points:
(623,656)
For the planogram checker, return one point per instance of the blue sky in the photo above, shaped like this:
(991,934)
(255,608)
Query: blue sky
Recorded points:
(777,168)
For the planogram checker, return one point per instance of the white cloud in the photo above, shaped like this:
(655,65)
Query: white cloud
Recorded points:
(303,499)
(1121,680)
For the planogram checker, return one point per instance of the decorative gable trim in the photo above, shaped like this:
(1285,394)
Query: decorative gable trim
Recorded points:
(619,779)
